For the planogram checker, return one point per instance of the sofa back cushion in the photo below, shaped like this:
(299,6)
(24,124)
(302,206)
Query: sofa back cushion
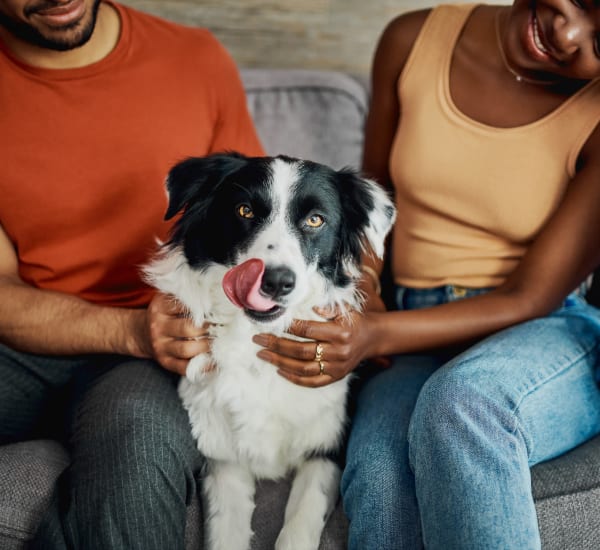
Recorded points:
(309,114)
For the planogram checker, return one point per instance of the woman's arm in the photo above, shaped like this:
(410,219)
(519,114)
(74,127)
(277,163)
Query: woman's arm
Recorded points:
(382,121)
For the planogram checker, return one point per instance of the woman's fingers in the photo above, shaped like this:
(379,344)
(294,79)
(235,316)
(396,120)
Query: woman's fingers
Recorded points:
(304,373)
(309,381)
(327,355)
(302,350)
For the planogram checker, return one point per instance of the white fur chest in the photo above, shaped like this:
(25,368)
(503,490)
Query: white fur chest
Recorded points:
(244,412)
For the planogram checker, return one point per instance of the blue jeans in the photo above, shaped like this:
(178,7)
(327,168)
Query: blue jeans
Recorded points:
(440,449)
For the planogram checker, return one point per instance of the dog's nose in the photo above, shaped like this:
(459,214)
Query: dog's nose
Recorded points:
(278,281)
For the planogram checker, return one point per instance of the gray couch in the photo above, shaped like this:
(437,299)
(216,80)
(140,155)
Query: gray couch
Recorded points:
(316,115)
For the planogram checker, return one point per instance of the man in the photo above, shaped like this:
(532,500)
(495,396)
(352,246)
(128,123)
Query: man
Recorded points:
(97,101)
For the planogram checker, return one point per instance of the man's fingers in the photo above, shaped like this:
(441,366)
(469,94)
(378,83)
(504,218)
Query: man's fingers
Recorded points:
(188,348)
(178,366)
(291,365)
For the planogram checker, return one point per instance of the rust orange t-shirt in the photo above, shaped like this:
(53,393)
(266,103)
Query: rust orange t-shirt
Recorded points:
(84,153)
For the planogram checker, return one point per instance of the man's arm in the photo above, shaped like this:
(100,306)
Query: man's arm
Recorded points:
(55,323)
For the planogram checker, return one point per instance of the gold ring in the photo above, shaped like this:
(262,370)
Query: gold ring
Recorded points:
(319,352)
(321,368)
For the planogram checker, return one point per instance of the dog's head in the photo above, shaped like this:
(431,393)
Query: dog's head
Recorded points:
(287,229)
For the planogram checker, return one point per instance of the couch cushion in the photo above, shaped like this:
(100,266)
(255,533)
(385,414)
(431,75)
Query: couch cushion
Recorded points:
(271,499)
(28,472)
(566,490)
(567,498)
(323,114)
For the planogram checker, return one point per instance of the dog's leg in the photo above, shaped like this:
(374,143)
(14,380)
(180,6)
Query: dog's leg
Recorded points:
(315,491)
(198,367)
(229,504)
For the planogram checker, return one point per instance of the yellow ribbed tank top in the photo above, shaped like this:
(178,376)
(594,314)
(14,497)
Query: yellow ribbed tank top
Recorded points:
(472,197)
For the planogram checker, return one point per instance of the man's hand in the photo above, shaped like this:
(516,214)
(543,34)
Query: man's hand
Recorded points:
(171,337)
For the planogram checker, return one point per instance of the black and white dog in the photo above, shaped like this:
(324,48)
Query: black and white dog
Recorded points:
(262,241)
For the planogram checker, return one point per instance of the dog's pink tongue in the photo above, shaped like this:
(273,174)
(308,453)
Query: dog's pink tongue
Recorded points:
(242,284)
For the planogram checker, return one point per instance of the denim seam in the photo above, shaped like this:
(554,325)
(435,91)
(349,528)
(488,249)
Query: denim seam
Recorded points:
(537,386)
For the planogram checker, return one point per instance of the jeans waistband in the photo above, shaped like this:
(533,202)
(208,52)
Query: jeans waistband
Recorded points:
(416,298)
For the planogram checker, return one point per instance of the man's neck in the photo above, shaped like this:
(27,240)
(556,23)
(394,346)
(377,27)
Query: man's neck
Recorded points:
(103,40)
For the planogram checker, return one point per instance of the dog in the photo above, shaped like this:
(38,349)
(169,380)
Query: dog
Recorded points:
(261,241)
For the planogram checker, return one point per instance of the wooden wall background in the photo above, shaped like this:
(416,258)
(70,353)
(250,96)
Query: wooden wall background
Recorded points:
(321,34)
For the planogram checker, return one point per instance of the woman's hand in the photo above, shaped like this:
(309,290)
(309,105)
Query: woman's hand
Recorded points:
(334,348)
(172,338)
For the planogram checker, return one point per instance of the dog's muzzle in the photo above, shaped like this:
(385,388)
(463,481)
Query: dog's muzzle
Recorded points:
(259,290)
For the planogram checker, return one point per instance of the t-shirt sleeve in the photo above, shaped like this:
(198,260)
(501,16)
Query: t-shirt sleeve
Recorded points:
(234,129)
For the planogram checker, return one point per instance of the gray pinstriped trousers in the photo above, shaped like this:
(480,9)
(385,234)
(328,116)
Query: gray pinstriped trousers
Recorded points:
(134,461)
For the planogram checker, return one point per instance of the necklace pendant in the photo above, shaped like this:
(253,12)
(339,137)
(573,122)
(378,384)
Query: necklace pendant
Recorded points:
(519,78)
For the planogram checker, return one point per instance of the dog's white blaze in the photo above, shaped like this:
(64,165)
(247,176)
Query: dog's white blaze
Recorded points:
(276,245)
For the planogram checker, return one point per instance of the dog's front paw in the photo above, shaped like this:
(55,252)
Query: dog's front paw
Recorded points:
(294,536)
(199,367)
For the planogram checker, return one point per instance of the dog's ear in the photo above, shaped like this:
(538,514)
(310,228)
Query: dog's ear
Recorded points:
(368,209)
(196,177)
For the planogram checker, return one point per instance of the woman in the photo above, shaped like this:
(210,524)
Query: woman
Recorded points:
(483,121)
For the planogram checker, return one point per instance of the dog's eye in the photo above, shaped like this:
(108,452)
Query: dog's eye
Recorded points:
(244,211)
(315,221)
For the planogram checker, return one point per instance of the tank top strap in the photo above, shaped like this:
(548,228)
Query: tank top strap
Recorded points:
(431,53)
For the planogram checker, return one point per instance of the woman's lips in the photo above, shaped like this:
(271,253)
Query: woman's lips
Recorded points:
(537,38)
(536,42)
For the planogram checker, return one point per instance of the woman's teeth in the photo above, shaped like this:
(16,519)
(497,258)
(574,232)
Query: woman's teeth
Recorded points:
(536,37)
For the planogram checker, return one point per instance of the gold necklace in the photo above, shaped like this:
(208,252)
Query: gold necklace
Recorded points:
(518,77)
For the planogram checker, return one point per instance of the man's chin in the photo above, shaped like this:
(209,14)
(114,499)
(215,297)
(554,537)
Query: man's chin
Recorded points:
(68,37)
(62,41)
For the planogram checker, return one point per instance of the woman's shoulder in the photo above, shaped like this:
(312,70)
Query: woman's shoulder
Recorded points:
(397,40)
(402,31)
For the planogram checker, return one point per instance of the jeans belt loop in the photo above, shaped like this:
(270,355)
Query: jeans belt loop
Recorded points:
(458,291)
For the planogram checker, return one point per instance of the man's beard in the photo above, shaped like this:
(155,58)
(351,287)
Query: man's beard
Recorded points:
(72,38)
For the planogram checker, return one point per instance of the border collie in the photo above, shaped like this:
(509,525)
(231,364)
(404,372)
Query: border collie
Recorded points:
(259,242)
